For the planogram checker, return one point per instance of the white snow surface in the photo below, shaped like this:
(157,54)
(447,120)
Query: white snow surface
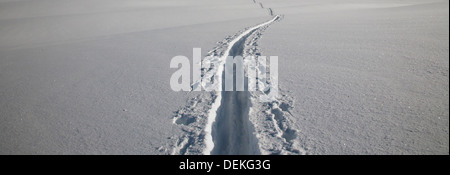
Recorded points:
(92,76)
(365,76)
(355,76)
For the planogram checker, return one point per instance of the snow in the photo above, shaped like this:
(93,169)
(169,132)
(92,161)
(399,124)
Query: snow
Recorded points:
(93,76)
(212,114)
(366,77)
(94,79)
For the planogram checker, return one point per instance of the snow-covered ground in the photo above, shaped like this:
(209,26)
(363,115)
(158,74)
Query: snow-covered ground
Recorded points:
(355,77)
(92,76)
(365,77)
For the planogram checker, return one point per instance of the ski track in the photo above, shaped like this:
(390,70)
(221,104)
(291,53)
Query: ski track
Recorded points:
(230,131)
(234,122)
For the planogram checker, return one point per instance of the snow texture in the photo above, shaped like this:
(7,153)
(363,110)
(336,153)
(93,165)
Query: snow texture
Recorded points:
(355,77)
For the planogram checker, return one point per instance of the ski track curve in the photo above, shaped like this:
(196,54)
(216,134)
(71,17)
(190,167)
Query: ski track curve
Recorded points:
(232,132)
(233,122)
